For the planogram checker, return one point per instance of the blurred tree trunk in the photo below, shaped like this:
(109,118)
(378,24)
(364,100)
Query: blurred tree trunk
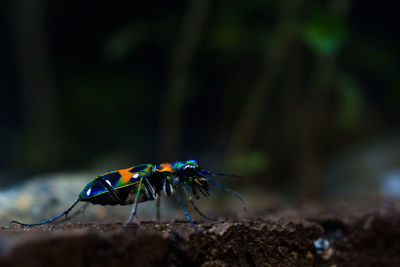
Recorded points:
(253,110)
(33,62)
(313,123)
(314,118)
(177,80)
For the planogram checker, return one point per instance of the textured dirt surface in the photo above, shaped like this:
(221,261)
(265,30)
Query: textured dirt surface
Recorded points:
(361,234)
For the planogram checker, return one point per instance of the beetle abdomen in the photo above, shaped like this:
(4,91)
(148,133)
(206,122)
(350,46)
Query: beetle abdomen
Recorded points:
(126,197)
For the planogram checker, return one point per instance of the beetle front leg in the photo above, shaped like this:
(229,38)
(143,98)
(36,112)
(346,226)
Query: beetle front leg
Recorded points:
(180,201)
(190,199)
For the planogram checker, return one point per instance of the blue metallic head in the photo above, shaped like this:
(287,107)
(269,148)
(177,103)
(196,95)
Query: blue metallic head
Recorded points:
(187,169)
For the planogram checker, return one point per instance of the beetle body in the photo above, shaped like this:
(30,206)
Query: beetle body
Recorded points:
(158,178)
(147,182)
(124,182)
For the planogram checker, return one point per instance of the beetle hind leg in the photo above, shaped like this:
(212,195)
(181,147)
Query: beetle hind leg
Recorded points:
(51,219)
(79,211)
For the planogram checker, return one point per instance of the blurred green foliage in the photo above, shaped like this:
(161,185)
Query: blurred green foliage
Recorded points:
(325,32)
(250,162)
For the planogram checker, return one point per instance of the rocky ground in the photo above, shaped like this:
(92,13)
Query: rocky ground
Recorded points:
(349,234)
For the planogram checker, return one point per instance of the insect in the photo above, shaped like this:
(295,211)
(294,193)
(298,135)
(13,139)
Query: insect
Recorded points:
(146,182)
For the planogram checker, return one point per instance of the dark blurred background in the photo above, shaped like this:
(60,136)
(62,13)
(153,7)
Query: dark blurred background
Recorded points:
(302,94)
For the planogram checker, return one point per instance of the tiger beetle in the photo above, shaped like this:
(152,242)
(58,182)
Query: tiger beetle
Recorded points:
(145,182)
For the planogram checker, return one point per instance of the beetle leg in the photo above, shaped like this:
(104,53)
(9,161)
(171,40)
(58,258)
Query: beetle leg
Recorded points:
(136,203)
(229,190)
(171,189)
(184,211)
(80,210)
(203,192)
(146,192)
(194,193)
(190,199)
(168,189)
(150,188)
(51,219)
(165,187)
(158,196)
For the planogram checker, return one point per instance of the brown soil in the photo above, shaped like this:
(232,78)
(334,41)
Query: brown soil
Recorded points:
(324,236)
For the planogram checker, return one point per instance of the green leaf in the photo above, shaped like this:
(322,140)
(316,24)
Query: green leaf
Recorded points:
(325,33)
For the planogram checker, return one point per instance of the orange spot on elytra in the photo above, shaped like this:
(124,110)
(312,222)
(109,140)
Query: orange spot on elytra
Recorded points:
(165,167)
(125,175)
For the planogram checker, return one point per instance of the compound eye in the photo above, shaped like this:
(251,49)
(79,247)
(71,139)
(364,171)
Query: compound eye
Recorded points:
(189,170)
